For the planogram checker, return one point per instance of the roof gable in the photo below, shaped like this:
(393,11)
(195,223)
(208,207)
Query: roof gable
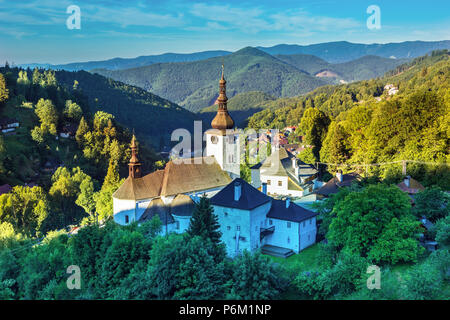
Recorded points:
(294,212)
(250,196)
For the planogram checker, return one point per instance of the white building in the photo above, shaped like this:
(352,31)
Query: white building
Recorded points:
(285,175)
(164,192)
(249,219)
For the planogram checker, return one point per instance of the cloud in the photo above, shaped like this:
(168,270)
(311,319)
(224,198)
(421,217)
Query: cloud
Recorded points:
(254,20)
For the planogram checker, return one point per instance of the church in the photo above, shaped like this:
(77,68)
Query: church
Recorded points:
(170,193)
(249,218)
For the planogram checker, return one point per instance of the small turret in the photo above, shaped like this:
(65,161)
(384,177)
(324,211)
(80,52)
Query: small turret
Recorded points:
(134,167)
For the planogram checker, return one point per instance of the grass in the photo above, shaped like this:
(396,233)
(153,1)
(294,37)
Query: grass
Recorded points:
(304,261)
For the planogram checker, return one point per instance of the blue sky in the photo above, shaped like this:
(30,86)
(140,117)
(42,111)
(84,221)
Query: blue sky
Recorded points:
(35,30)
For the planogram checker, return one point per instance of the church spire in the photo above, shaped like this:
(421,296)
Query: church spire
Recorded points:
(222,120)
(134,167)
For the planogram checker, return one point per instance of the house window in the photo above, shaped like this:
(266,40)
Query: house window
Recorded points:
(309,237)
(228,228)
(268,182)
(177,225)
(304,224)
(289,240)
(126,219)
(226,214)
(310,221)
(280,183)
(270,221)
(238,228)
(289,224)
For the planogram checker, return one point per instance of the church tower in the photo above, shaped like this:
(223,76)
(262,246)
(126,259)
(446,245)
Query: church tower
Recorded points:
(134,167)
(222,141)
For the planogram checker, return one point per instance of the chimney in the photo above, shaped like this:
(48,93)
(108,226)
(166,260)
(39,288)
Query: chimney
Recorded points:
(294,162)
(237,191)
(339,176)
(407,181)
(264,187)
(288,202)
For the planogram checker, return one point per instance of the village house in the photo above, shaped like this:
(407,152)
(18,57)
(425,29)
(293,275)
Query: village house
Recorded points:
(8,124)
(68,131)
(284,174)
(334,184)
(249,219)
(411,187)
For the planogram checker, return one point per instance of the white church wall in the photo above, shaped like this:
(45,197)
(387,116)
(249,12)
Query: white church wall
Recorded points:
(123,209)
(181,223)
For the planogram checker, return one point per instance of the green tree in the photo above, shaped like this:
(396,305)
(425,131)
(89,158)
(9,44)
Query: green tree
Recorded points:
(432,203)
(255,277)
(72,111)
(366,223)
(48,116)
(86,196)
(4,92)
(25,209)
(82,129)
(204,222)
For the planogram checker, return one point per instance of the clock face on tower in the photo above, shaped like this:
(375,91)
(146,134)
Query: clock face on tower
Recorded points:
(214,139)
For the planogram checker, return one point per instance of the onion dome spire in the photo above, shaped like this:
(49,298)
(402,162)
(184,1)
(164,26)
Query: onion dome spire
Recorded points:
(134,167)
(222,120)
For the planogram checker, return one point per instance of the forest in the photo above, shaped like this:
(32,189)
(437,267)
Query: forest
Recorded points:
(58,182)
(358,124)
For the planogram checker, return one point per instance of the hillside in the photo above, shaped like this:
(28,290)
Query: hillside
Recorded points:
(193,85)
(125,63)
(241,107)
(363,122)
(343,51)
(137,109)
(363,68)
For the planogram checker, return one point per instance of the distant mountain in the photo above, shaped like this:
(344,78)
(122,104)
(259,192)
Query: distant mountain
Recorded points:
(125,63)
(366,67)
(194,85)
(343,51)
(137,109)
(241,106)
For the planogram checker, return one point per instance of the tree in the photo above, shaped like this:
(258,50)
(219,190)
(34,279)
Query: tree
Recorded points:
(25,209)
(82,129)
(204,222)
(366,223)
(48,116)
(432,203)
(307,156)
(443,232)
(182,267)
(255,277)
(86,197)
(4,92)
(72,111)
(313,126)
